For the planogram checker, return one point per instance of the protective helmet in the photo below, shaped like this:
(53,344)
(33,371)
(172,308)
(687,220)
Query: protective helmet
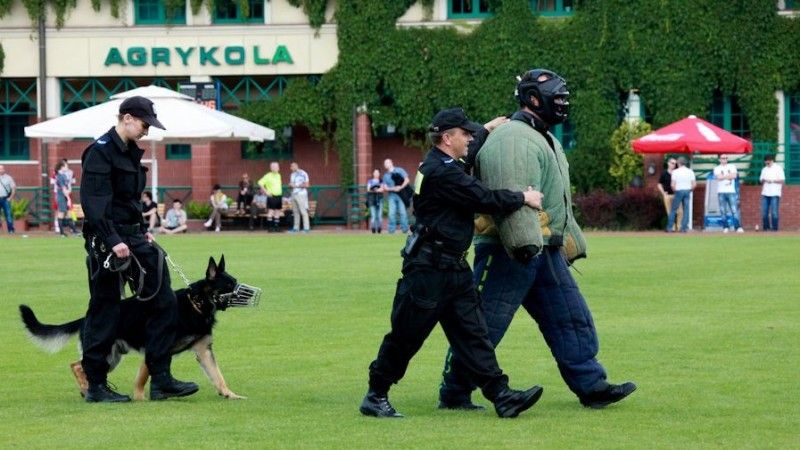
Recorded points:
(551,92)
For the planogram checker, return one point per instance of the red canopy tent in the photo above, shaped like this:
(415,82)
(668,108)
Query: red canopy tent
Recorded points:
(691,135)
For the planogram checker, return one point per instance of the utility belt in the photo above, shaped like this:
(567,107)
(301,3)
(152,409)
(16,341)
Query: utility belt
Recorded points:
(128,230)
(439,255)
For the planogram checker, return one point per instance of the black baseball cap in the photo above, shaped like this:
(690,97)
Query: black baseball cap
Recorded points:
(141,108)
(453,118)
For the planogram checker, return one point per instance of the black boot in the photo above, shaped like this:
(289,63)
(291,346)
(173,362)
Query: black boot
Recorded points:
(510,403)
(612,393)
(163,386)
(377,405)
(460,402)
(102,393)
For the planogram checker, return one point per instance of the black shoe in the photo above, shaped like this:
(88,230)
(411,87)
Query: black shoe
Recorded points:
(461,402)
(611,394)
(102,393)
(376,406)
(163,386)
(511,403)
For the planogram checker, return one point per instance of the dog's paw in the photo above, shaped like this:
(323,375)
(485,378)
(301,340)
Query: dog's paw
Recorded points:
(138,395)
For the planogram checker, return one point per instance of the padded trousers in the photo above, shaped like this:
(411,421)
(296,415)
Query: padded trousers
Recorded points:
(547,291)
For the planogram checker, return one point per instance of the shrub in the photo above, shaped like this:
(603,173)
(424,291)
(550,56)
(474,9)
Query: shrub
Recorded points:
(198,210)
(596,210)
(19,208)
(631,209)
(639,209)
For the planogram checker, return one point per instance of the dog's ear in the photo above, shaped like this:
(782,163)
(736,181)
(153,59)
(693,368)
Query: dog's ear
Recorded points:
(211,271)
(221,267)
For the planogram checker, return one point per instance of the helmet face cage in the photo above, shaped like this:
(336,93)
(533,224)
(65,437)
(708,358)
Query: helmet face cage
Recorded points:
(551,93)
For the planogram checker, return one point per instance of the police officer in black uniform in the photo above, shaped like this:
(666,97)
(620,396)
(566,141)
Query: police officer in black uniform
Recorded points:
(111,185)
(437,281)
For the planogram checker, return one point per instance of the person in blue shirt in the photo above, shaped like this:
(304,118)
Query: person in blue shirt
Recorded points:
(393,185)
(375,201)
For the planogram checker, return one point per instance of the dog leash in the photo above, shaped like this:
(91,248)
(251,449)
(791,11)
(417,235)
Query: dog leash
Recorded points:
(176,268)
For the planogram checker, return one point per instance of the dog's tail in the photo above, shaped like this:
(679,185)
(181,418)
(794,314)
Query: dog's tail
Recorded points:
(51,338)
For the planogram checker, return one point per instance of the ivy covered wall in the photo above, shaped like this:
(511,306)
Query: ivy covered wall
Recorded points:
(677,53)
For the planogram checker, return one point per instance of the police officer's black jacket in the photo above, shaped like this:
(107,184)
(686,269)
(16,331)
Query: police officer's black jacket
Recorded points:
(447,198)
(111,187)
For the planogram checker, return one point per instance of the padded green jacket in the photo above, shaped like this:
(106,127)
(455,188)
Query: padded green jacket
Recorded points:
(514,157)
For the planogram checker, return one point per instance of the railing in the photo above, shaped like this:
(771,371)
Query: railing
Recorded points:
(749,165)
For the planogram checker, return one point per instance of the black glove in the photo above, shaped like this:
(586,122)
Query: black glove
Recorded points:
(526,253)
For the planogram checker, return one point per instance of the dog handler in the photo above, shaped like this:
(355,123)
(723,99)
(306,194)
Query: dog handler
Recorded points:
(111,186)
(437,281)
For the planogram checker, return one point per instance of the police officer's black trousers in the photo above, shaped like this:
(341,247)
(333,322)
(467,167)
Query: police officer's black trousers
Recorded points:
(429,293)
(102,320)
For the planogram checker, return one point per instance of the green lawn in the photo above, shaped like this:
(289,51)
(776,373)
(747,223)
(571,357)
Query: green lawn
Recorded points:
(708,327)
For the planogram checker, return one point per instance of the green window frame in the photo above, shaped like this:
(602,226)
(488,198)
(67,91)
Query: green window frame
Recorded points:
(17,105)
(231,12)
(13,143)
(791,160)
(179,151)
(553,7)
(468,9)
(727,114)
(154,12)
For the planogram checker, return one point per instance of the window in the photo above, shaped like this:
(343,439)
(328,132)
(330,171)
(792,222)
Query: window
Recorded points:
(179,151)
(727,114)
(230,11)
(552,7)
(280,148)
(791,159)
(13,143)
(788,5)
(154,12)
(468,9)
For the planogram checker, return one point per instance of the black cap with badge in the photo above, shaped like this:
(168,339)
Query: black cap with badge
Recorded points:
(453,118)
(141,108)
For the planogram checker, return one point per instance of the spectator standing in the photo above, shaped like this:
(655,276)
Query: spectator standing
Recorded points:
(272,186)
(375,201)
(683,183)
(772,178)
(63,191)
(665,188)
(7,191)
(175,220)
(150,212)
(726,175)
(298,181)
(219,205)
(396,205)
(245,197)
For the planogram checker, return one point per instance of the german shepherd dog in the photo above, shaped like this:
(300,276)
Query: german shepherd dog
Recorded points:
(197,307)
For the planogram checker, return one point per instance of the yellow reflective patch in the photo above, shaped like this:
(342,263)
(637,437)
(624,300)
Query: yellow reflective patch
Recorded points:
(418,182)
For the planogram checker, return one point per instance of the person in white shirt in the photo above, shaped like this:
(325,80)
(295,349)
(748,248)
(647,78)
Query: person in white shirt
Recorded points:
(683,182)
(726,175)
(298,181)
(772,179)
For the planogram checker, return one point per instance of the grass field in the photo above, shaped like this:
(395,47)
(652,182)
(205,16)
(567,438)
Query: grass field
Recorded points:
(708,327)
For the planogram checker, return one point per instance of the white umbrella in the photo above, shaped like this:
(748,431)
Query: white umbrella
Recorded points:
(185,120)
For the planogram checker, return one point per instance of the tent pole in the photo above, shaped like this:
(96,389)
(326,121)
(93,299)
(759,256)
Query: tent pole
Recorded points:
(154,168)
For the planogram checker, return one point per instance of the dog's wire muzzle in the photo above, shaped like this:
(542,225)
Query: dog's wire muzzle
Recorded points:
(242,295)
